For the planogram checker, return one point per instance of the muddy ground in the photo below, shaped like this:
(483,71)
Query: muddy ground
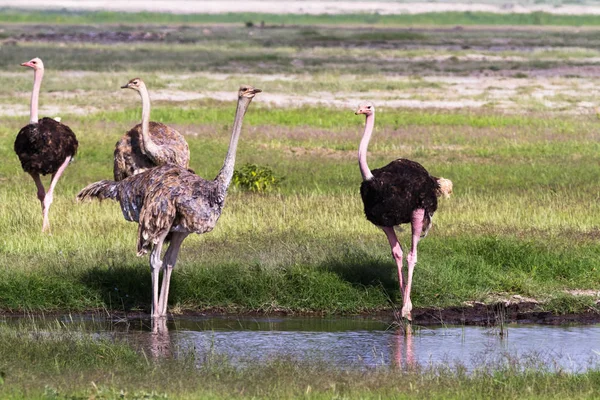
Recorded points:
(500,313)
(479,314)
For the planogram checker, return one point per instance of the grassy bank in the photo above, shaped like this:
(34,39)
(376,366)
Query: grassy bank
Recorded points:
(523,219)
(54,362)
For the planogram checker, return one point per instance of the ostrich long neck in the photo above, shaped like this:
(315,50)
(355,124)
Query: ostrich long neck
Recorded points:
(38,74)
(226,172)
(150,148)
(362,149)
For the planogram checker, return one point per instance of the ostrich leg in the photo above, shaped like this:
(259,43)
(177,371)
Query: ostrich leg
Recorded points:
(41,192)
(411,258)
(155,267)
(50,194)
(169,261)
(396,253)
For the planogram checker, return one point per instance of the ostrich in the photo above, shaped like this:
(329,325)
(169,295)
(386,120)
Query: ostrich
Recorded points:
(148,144)
(44,146)
(398,193)
(170,202)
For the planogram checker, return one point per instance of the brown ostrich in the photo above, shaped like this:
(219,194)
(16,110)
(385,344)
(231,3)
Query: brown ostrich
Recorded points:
(148,144)
(170,202)
(398,193)
(44,146)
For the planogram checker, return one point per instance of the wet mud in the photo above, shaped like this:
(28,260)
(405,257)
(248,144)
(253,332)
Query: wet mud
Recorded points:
(477,314)
(500,313)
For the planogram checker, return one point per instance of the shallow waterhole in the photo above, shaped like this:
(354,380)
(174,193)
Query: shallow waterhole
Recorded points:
(345,342)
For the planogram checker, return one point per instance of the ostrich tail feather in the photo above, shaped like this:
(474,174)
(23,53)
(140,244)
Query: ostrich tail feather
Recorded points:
(445,187)
(100,190)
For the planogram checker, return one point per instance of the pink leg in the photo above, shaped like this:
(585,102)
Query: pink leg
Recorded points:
(50,194)
(169,261)
(396,253)
(417,228)
(155,267)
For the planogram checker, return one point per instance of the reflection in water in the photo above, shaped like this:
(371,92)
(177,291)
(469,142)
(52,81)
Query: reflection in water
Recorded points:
(403,355)
(160,342)
(352,342)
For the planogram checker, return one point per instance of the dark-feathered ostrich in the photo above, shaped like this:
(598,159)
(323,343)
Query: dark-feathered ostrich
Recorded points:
(44,146)
(399,193)
(148,144)
(169,203)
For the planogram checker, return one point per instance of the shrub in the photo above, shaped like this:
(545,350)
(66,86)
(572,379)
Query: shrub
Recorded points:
(255,178)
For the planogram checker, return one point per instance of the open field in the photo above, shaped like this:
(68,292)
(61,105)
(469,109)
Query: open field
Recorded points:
(508,116)
(506,112)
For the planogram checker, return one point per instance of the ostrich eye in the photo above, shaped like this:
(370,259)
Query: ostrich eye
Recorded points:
(368,107)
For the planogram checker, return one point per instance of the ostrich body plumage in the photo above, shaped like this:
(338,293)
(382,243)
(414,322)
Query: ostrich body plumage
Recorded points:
(396,190)
(43,147)
(163,200)
(130,157)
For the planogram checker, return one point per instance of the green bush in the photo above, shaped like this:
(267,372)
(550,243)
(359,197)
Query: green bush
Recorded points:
(255,178)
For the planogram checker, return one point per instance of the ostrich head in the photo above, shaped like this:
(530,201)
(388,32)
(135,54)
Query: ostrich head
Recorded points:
(136,84)
(248,91)
(34,63)
(365,108)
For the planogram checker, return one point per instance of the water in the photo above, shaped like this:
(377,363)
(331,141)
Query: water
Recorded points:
(358,342)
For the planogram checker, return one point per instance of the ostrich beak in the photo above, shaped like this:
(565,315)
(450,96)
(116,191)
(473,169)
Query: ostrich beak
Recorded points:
(27,64)
(256,90)
(125,86)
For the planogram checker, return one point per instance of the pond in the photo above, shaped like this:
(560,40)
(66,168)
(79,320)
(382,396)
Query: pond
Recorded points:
(353,342)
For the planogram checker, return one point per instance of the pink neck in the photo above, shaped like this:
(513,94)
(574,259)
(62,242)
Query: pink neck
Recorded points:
(38,74)
(362,149)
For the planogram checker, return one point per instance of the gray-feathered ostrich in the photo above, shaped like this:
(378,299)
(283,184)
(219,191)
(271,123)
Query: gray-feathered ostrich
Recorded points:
(169,203)
(44,146)
(398,193)
(148,144)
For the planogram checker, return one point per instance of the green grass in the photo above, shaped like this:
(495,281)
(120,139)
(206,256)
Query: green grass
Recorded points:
(9,15)
(523,219)
(50,361)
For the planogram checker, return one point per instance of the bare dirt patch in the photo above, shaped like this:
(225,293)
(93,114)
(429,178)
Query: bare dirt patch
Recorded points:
(299,7)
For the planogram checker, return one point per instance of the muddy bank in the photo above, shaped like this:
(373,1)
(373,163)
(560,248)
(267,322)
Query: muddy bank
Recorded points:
(500,313)
(477,314)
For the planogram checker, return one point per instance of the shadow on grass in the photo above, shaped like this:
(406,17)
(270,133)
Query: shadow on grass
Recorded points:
(360,268)
(121,288)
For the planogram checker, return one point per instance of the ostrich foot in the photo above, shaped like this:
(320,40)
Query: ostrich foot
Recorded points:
(406,310)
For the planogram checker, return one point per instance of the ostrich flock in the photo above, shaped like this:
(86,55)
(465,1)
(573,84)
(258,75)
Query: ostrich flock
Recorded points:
(155,188)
